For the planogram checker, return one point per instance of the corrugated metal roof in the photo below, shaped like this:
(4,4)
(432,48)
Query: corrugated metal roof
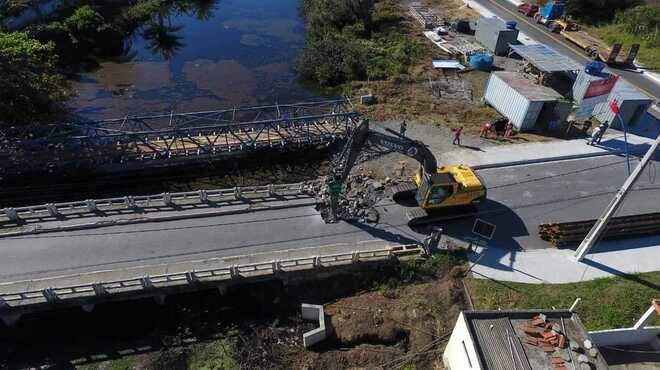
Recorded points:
(626,91)
(527,88)
(545,58)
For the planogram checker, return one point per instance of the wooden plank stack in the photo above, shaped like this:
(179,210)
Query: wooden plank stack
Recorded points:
(566,233)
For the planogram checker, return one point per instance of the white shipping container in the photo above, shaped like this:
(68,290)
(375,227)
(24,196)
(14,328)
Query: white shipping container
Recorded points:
(517,98)
(632,104)
(582,84)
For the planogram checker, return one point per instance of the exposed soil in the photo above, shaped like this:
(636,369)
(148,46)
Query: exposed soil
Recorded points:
(391,316)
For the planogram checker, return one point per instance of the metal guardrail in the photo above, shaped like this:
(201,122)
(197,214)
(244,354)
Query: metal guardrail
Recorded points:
(100,289)
(141,202)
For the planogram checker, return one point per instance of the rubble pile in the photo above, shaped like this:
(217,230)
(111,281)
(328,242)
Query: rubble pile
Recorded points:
(360,194)
(551,337)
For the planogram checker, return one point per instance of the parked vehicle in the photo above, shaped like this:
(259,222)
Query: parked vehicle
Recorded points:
(528,9)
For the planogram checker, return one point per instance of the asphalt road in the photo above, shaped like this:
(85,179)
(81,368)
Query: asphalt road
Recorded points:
(520,198)
(507,11)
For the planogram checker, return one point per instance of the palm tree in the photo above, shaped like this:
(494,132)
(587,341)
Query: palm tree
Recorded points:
(161,36)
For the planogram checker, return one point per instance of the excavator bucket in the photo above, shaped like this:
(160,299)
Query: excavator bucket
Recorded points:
(614,52)
(632,54)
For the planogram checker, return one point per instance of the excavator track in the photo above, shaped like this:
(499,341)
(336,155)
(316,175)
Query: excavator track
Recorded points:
(404,190)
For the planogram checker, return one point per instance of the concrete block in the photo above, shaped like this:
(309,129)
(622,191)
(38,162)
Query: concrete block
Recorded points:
(313,312)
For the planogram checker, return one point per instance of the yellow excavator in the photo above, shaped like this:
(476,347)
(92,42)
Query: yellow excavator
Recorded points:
(434,189)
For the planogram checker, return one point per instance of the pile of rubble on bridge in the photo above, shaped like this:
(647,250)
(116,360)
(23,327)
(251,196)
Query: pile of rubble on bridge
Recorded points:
(357,200)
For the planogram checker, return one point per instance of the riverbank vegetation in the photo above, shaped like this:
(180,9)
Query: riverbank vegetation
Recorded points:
(349,40)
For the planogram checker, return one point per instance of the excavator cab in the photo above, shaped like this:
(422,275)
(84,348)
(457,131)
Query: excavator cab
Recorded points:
(450,186)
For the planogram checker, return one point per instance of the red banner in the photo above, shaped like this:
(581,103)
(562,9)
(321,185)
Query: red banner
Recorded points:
(600,87)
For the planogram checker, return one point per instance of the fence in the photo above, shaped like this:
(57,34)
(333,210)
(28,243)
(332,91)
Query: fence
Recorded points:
(146,283)
(139,203)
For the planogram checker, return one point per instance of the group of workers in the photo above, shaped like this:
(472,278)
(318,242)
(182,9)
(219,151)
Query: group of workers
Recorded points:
(489,127)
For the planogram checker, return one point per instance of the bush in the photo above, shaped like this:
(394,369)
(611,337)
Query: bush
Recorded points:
(598,11)
(641,20)
(86,27)
(350,40)
(30,89)
(331,58)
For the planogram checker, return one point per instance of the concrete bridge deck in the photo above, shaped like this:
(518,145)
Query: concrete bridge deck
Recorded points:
(520,198)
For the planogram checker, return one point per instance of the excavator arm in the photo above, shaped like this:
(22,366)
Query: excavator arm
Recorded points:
(347,158)
(395,142)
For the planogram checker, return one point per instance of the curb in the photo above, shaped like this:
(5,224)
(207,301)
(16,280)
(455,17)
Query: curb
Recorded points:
(545,160)
(99,224)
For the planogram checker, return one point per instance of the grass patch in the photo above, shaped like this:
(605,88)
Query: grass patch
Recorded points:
(217,355)
(648,55)
(606,303)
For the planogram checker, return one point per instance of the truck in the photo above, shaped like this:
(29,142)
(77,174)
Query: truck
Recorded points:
(552,16)
(432,191)
(549,14)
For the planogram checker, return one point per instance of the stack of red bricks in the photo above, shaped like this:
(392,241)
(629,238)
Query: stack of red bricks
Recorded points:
(548,335)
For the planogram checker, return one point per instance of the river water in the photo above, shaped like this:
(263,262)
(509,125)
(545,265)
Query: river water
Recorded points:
(224,54)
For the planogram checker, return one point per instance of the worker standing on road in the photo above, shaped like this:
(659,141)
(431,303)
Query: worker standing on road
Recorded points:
(598,133)
(403,128)
(457,136)
(603,128)
(508,129)
(485,130)
(586,126)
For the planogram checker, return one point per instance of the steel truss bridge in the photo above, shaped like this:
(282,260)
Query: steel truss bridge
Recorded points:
(164,139)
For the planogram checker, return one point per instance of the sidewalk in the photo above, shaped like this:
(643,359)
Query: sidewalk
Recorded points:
(612,143)
(558,266)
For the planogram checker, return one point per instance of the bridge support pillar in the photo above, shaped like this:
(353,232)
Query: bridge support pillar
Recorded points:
(50,295)
(10,319)
(146,282)
(11,214)
(355,257)
(91,205)
(99,289)
(167,199)
(129,201)
(52,210)
(276,266)
(88,307)
(191,277)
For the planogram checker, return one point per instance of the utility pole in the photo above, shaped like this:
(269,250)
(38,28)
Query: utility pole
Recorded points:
(601,223)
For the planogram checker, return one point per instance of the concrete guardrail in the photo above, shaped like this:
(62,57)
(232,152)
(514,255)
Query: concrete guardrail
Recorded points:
(11,300)
(142,202)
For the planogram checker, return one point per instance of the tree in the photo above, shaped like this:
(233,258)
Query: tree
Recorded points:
(86,27)
(30,89)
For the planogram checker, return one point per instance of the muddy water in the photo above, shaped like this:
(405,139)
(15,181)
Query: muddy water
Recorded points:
(235,53)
